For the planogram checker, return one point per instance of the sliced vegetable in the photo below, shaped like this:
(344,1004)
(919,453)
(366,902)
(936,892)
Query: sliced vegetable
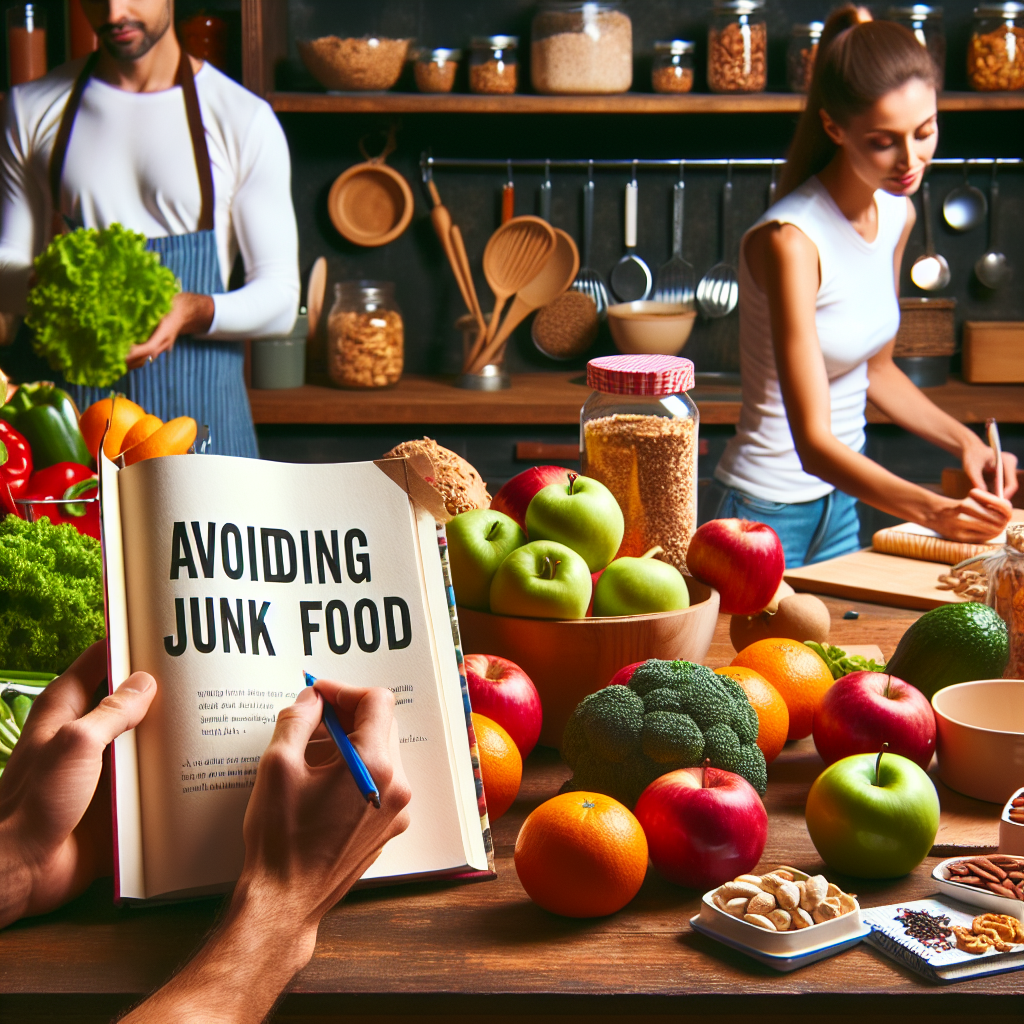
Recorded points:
(48,419)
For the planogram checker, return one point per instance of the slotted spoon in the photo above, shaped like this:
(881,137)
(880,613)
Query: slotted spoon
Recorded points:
(589,281)
(719,290)
(675,279)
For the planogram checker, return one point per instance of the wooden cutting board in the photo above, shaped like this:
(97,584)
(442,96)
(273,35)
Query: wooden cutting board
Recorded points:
(870,576)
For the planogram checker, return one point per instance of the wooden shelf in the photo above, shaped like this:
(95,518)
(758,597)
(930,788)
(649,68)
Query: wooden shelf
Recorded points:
(556,399)
(627,103)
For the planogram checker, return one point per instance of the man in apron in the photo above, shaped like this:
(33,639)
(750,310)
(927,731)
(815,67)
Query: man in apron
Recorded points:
(142,135)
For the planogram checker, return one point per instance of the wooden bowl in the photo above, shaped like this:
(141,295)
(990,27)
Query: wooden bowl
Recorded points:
(370,204)
(980,737)
(354,65)
(569,659)
(650,328)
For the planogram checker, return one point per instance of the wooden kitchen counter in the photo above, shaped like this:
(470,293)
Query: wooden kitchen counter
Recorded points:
(484,952)
(555,398)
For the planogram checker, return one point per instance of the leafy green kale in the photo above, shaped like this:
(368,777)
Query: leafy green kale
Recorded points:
(51,594)
(97,293)
(673,714)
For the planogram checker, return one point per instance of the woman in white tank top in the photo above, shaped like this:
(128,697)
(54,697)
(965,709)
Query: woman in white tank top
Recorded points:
(819,312)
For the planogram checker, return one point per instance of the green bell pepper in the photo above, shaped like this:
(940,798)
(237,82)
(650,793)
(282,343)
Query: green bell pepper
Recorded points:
(46,417)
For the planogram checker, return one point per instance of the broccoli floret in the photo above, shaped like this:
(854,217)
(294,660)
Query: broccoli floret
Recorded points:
(51,594)
(673,714)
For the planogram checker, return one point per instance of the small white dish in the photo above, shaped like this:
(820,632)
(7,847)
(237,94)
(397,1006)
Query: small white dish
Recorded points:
(976,897)
(1011,833)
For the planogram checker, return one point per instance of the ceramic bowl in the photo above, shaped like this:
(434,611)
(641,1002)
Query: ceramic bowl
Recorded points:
(975,897)
(1011,833)
(354,65)
(980,737)
(569,659)
(650,328)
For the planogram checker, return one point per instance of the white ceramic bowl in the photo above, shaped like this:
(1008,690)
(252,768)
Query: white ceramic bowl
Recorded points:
(1011,833)
(650,328)
(972,895)
(980,737)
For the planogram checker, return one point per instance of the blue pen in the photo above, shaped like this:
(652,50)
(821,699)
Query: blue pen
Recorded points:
(364,780)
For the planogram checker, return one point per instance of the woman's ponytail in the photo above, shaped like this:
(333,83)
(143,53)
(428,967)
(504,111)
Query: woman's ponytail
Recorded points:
(858,62)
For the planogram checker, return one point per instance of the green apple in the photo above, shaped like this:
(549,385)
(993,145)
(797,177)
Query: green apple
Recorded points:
(582,515)
(542,580)
(478,542)
(636,586)
(873,816)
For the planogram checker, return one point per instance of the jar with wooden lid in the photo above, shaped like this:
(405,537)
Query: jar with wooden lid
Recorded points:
(434,70)
(995,54)
(365,335)
(493,65)
(581,48)
(738,47)
(672,68)
(925,21)
(638,436)
(1005,571)
(802,52)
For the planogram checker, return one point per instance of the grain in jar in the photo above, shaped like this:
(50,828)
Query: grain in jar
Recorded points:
(638,436)
(802,52)
(1005,571)
(926,22)
(365,335)
(738,47)
(435,69)
(672,68)
(995,53)
(581,48)
(493,65)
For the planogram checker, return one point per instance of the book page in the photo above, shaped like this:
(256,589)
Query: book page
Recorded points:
(240,575)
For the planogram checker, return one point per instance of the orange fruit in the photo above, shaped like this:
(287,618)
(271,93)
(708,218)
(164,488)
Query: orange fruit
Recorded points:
(772,713)
(581,855)
(140,430)
(799,674)
(501,767)
(175,437)
(122,414)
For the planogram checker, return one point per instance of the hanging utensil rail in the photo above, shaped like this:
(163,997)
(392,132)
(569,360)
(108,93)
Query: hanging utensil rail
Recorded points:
(428,163)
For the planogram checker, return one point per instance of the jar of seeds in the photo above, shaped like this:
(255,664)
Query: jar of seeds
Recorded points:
(365,335)
(493,67)
(638,436)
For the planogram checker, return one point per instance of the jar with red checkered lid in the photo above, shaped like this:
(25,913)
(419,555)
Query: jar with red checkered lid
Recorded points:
(638,436)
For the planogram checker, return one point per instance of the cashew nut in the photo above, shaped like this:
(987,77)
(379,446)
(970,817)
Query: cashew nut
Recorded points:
(731,890)
(848,903)
(781,920)
(826,910)
(760,921)
(815,890)
(786,894)
(736,907)
(762,903)
(801,919)
(752,879)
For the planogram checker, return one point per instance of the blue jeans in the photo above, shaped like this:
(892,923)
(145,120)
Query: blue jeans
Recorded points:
(810,531)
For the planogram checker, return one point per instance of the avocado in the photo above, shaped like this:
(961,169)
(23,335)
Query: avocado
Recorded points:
(952,644)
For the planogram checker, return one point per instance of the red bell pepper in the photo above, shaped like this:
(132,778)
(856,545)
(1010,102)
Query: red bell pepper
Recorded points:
(64,482)
(15,466)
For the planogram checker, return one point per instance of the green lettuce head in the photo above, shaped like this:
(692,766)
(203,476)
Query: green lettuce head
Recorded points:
(97,293)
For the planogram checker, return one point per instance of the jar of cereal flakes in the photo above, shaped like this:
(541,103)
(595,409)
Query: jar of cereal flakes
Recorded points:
(638,436)
(365,335)
(995,54)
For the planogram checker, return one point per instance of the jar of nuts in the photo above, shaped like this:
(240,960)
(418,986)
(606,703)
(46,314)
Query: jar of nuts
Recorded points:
(493,67)
(995,54)
(672,70)
(803,49)
(638,436)
(925,21)
(365,335)
(738,47)
(434,70)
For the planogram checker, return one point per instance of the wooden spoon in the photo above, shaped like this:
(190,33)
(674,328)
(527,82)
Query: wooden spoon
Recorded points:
(514,256)
(554,278)
(459,248)
(316,287)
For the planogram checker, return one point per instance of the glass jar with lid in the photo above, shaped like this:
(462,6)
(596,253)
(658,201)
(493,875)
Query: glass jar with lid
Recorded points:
(493,65)
(800,57)
(1005,571)
(638,436)
(581,48)
(738,47)
(365,335)
(925,21)
(672,70)
(995,54)
(435,69)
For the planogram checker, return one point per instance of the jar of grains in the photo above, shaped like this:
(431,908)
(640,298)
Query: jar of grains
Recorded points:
(1005,571)
(672,70)
(493,67)
(995,54)
(581,48)
(803,48)
(738,47)
(365,336)
(638,436)
(925,21)
(434,70)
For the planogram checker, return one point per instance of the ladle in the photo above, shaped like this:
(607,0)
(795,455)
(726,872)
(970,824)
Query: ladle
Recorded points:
(930,271)
(589,281)
(675,279)
(554,278)
(993,268)
(718,291)
(631,279)
(514,256)
(965,207)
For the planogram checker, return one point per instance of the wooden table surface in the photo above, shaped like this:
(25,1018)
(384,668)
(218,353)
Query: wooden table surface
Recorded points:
(483,951)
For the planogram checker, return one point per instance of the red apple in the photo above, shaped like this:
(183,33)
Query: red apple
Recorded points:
(863,710)
(623,676)
(742,560)
(517,493)
(500,690)
(704,826)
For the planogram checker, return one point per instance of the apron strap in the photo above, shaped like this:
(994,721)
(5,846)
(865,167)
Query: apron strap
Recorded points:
(186,80)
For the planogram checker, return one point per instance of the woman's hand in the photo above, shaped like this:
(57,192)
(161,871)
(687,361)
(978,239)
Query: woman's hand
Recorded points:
(979,461)
(190,314)
(974,520)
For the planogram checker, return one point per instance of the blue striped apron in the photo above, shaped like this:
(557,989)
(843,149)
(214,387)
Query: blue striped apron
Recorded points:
(197,377)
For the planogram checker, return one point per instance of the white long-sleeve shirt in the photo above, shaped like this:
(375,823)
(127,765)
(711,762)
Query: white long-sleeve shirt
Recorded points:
(130,160)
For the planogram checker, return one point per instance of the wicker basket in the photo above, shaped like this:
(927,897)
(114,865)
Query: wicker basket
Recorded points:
(926,328)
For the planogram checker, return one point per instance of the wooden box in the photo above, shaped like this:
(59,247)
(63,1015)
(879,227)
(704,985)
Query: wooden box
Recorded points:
(993,352)
(926,327)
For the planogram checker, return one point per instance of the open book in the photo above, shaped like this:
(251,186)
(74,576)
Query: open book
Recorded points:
(226,578)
